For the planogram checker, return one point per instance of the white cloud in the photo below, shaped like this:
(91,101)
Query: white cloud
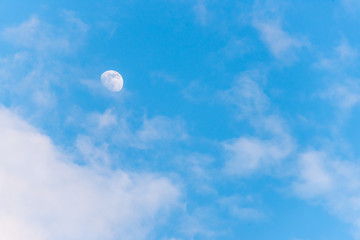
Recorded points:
(314,178)
(247,155)
(346,52)
(197,165)
(34,34)
(345,95)
(31,76)
(267,20)
(281,44)
(331,182)
(9,64)
(160,128)
(199,169)
(77,23)
(94,155)
(107,119)
(44,195)
(26,80)
(344,55)
(342,91)
(122,128)
(44,98)
(247,96)
(241,208)
(103,120)
(199,223)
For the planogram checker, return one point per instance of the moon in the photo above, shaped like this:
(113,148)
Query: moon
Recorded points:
(112,80)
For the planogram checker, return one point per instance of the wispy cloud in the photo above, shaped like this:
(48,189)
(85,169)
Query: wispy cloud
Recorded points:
(342,90)
(344,55)
(30,75)
(35,34)
(314,176)
(161,128)
(241,208)
(201,12)
(247,96)
(123,128)
(345,95)
(103,120)
(280,43)
(332,182)
(249,154)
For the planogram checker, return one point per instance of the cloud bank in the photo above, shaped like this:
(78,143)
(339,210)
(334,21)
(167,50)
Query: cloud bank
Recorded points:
(44,195)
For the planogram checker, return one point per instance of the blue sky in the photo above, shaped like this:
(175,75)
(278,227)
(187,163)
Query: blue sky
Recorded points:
(237,120)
